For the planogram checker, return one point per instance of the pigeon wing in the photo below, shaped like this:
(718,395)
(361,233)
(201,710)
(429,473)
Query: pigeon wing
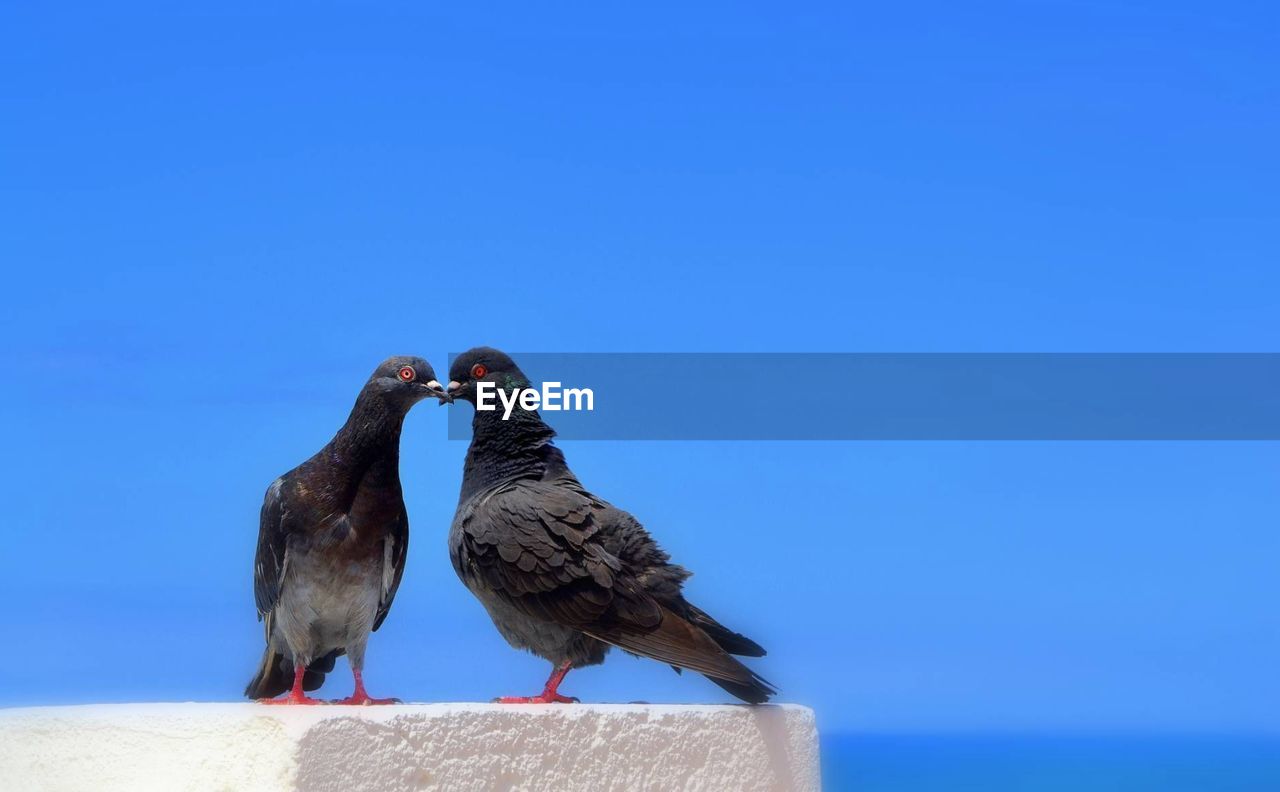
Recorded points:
(540,547)
(396,549)
(269,563)
(537,546)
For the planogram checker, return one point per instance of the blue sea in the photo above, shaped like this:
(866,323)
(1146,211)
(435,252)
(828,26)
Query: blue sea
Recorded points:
(883,763)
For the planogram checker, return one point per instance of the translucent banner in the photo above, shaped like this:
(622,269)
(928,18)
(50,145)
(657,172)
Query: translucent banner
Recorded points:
(952,396)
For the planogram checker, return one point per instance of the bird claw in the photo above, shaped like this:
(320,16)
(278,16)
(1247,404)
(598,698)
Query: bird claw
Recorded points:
(292,699)
(544,698)
(365,701)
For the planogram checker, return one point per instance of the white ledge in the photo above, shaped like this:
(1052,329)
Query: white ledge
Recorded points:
(138,747)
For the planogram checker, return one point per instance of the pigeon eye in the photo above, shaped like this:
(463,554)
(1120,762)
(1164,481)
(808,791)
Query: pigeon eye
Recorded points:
(478,370)
(407,373)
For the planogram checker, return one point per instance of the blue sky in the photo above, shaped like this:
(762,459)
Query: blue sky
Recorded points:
(218,221)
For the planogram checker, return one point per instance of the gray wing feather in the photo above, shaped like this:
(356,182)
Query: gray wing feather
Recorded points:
(271,559)
(542,548)
(395,551)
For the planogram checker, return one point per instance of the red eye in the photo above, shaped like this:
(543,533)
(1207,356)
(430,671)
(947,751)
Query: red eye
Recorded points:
(478,371)
(407,373)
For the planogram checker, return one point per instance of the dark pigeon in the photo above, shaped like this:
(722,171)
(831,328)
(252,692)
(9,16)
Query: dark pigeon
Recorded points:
(563,573)
(332,542)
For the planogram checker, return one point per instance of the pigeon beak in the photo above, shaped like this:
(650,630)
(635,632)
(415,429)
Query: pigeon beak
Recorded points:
(438,391)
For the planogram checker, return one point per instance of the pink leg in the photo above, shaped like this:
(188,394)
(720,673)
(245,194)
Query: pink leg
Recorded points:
(548,694)
(361,696)
(295,696)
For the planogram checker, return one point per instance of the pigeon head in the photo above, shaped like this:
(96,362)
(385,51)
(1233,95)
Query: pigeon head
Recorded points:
(405,380)
(483,364)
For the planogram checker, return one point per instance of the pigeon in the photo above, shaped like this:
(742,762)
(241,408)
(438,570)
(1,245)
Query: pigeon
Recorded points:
(563,573)
(332,542)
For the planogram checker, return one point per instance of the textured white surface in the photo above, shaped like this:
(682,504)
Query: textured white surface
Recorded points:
(139,747)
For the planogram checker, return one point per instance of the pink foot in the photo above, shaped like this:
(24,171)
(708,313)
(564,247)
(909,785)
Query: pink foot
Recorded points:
(292,698)
(544,698)
(548,694)
(363,700)
(360,698)
(295,695)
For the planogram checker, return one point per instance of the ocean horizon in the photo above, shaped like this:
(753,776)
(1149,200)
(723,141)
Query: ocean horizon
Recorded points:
(879,762)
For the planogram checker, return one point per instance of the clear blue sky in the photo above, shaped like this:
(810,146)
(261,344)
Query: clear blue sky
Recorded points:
(216,223)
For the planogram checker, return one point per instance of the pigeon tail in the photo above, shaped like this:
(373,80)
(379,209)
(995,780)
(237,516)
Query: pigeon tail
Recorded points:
(679,642)
(757,691)
(730,641)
